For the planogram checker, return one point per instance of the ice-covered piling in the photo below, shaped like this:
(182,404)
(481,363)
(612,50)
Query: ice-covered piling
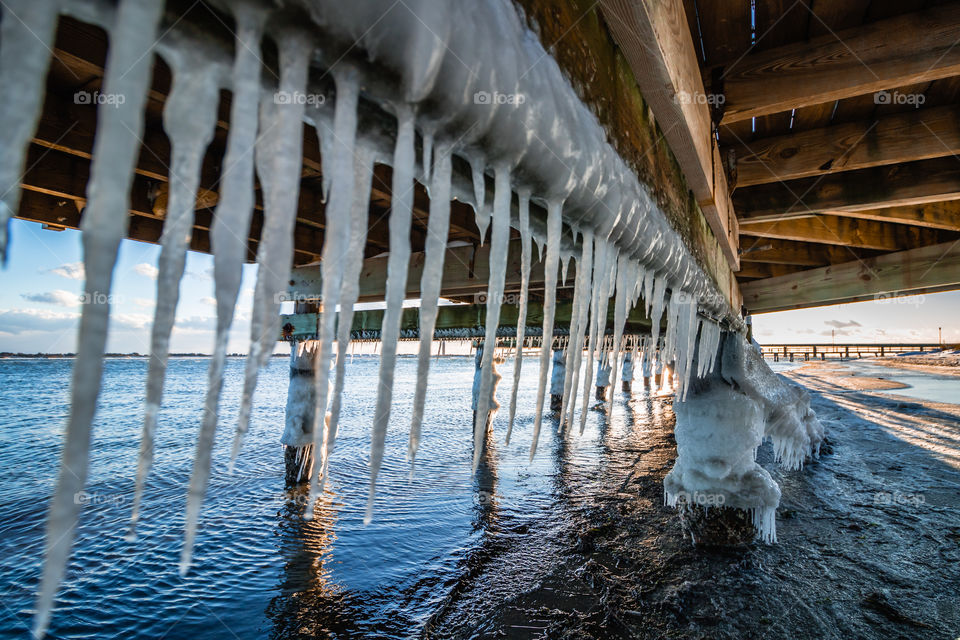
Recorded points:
(558,373)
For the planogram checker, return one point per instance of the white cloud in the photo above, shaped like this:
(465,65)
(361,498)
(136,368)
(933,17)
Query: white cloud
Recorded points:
(147,270)
(842,325)
(130,321)
(71,271)
(208,301)
(19,321)
(146,303)
(58,297)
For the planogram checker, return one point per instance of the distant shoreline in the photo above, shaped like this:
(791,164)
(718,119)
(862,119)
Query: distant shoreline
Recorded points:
(68,356)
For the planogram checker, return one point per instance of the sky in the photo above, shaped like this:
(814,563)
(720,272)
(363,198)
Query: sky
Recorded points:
(43,280)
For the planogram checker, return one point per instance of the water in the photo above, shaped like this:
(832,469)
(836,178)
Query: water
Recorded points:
(260,570)
(923,385)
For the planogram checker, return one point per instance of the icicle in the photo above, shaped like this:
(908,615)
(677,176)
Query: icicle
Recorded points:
(598,318)
(278,164)
(625,271)
(648,278)
(564,268)
(479,194)
(659,290)
(189,117)
(525,250)
(338,226)
(578,321)
(554,227)
(499,243)
(427,156)
(104,225)
(26,41)
(278,157)
(349,292)
(431,280)
(401,215)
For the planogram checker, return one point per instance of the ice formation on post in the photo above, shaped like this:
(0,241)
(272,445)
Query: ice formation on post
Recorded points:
(725,416)
(189,117)
(438,227)
(26,40)
(578,321)
(104,225)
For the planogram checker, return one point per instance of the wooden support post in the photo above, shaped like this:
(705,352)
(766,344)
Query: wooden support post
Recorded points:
(299,424)
(556,379)
(626,373)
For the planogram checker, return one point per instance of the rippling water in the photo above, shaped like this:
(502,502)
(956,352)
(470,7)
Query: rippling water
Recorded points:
(260,570)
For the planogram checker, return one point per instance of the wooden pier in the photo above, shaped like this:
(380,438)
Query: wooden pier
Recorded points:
(843,351)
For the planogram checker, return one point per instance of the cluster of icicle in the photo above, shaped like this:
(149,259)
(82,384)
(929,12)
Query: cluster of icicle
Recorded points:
(467,78)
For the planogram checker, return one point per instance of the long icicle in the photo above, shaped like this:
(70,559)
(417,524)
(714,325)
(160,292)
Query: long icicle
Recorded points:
(104,225)
(599,320)
(554,228)
(190,115)
(349,292)
(231,218)
(431,280)
(581,300)
(401,214)
(278,163)
(339,203)
(623,291)
(525,251)
(26,40)
(499,243)
(278,156)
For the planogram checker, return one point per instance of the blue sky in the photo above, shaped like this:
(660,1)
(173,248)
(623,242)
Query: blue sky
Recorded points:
(43,280)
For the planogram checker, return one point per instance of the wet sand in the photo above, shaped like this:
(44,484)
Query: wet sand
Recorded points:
(869,541)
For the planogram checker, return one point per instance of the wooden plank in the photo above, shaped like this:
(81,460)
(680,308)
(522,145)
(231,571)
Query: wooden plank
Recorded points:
(911,183)
(923,270)
(466,270)
(904,137)
(911,48)
(655,38)
(757,270)
(849,232)
(797,253)
(935,215)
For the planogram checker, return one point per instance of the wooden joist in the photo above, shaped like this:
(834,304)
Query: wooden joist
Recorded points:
(924,270)
(848,232)
(911,48)
(756,270)
(911,183)
(655,38)
(933,215)
(903,137)
(796,253)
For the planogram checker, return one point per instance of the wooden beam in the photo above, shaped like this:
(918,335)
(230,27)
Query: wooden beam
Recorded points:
(903,137)
(848,232)
(923,270)
(796,253)
(908,49)
(655,38)
(758,270)
(466,270)
(934,215)
(912,183)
